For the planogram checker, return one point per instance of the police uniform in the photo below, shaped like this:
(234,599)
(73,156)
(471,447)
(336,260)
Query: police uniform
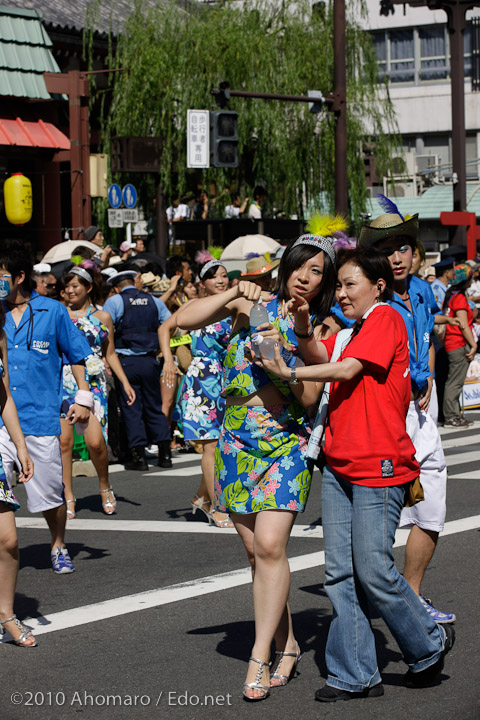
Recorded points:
(136,316)
(35,349)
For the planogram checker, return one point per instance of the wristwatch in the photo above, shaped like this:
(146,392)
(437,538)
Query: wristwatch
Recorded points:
(293,376)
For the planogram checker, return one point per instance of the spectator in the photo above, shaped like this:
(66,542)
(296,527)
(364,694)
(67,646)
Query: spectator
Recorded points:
(237,207)
(259,270)
(259,198)
(45,281)
(94,235)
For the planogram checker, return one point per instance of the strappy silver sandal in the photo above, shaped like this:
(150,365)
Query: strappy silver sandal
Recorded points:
(110,504)
(26,632)
(256,684)
(285,679)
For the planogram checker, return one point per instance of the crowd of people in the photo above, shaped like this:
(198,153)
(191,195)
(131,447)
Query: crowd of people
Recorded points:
(346,349)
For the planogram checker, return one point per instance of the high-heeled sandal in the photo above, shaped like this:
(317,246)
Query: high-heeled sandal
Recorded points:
(223,523)
(26,632)
(196,507)
(71,514)
(256,684)
(110,504)
(285,679)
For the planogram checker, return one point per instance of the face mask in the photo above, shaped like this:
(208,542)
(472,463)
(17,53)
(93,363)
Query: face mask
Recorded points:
(4,288)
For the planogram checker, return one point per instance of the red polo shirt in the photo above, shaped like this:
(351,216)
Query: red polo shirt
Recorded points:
(366,441)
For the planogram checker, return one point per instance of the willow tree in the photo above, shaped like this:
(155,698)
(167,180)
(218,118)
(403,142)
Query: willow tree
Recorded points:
(173,54)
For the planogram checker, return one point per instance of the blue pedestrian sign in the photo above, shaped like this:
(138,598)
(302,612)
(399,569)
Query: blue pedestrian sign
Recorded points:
(129,195)
(114,196)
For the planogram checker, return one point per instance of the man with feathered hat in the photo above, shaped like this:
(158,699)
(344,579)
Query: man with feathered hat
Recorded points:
(397,237)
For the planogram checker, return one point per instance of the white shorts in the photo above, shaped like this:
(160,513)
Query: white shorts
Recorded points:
(428,514)
(45,489)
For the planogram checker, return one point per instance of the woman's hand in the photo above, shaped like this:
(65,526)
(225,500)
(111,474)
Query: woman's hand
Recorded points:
(27,464)
(270,331)
(471,353)
(170,371)
(129,392)
(455,322)
(299,307)
(276,366)
(248,290)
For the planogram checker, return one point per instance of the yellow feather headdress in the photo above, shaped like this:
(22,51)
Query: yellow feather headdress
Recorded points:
(326,225)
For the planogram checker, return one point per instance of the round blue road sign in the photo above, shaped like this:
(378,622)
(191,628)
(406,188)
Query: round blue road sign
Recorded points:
(129,195)
(114,196)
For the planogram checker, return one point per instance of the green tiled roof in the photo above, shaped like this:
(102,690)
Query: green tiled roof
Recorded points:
(24,54)
(431,203)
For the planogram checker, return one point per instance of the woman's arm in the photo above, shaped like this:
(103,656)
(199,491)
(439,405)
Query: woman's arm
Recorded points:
(108,350)
(335,372)
(10,418)
(462,315)
(165,332)
(214,308)
(310,347)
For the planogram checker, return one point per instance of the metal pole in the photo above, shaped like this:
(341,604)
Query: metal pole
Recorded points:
(456,27)
(340,108)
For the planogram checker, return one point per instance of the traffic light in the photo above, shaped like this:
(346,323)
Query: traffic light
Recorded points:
(224,139)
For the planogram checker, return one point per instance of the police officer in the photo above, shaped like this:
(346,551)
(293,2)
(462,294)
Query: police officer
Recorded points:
(137,316)
(444,273)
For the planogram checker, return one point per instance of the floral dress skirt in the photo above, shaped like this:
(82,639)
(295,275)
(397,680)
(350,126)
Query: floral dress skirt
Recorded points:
(202,407)
(260,460)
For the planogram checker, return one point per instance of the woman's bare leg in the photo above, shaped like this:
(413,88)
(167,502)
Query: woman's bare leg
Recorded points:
(66,448)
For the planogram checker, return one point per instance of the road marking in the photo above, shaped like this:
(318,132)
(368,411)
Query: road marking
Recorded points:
(156,526)
(191,458)
(125,605)
(458,442)
(180,472)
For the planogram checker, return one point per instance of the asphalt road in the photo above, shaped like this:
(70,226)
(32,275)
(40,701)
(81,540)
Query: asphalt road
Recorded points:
(156,622)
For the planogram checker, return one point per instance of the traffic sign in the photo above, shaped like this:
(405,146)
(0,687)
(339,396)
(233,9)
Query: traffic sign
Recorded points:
(129,195)
(130,216)
(114,196)
(115,218)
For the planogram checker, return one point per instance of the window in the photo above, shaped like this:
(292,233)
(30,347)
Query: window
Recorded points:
(418,55)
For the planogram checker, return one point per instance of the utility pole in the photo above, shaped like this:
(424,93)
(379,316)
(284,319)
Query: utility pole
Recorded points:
(456,22)
(340,107)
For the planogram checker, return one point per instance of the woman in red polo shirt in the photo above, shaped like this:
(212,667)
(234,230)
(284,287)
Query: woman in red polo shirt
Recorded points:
(370,463)
(459,343)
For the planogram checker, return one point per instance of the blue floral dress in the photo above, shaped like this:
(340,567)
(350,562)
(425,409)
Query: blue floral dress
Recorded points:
(6,492)
(261,458)
(202,406)
(96,333)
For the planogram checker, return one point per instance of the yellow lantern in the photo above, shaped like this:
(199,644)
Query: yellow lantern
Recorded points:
(17,191)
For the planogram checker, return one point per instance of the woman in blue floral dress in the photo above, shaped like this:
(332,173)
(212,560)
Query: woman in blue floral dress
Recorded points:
(262,474)
(81,291)
(202,406)
(8,503)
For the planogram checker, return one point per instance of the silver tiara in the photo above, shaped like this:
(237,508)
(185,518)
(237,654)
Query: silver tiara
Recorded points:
(83,273)
(210,264)
(323,243)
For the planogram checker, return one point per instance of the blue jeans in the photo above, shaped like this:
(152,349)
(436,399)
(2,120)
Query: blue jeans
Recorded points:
(359,526)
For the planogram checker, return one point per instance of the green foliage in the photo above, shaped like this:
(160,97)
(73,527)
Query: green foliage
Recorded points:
(174,54)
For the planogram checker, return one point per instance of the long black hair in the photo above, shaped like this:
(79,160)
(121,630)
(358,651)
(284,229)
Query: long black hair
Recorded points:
(374,264)
(292,259)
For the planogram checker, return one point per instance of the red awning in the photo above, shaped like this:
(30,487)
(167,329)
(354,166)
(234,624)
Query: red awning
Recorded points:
(23,133)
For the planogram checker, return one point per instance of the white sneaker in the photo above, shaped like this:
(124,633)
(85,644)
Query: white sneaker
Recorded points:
(151,450)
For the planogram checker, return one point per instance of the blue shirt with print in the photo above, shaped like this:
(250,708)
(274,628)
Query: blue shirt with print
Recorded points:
(35,348)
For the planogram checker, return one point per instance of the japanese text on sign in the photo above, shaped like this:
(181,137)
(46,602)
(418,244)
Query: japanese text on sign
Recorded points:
(198,139)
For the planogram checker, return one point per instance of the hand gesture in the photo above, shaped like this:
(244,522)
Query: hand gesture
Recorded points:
(248,290)
(277,366)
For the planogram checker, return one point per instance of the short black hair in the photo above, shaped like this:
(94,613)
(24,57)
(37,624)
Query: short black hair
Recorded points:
(373,263)
(259,190)
(292,259)
(174,264)
(15,259)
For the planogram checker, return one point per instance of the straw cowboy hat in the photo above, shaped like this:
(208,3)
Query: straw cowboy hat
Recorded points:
(259,266)
(389,225)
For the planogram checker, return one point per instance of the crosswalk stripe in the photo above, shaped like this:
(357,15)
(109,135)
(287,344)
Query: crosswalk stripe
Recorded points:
(193,588)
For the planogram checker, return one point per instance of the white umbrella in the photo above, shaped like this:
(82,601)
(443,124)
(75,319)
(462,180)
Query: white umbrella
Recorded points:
(64,250)
(242,246)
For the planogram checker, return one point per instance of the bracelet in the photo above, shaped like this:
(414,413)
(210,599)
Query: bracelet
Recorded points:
(84,398)
(306,335)
(293,376)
